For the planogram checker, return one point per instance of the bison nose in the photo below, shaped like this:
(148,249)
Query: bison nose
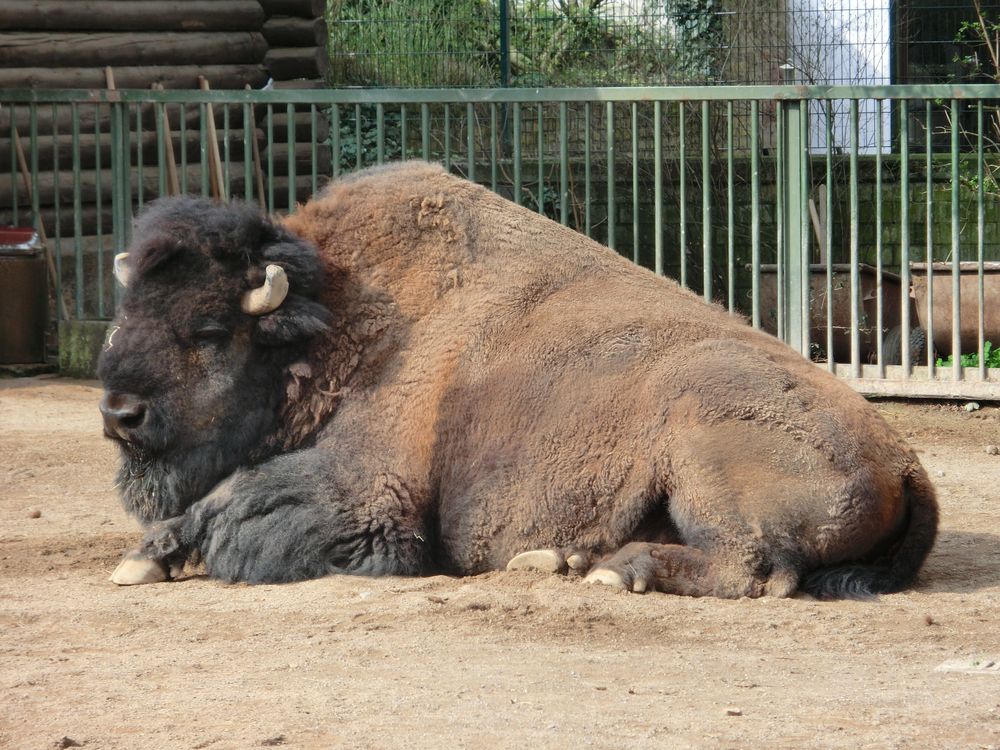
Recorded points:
(123,414)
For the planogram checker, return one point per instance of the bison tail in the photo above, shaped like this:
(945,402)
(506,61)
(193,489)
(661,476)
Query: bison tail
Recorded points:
(899,567)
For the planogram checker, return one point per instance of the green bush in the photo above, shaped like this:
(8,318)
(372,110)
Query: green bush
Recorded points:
(990,355)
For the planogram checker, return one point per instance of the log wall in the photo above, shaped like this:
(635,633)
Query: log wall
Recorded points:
(64,44)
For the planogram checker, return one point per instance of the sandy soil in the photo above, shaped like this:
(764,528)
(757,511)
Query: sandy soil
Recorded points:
(500,660)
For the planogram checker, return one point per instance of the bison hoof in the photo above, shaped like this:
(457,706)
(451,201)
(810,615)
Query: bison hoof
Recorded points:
(605,577)
(608,577)
(544,560)
(578,562)
(135,570)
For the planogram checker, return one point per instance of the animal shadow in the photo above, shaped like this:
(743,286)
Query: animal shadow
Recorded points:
(962,561)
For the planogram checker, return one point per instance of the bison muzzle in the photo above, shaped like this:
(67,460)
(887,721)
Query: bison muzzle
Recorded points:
(412,375)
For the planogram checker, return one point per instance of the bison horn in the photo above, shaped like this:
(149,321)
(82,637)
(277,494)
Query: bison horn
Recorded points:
(121,270)
(270,295)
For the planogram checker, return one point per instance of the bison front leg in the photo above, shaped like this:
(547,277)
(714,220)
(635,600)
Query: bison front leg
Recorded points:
(293,518)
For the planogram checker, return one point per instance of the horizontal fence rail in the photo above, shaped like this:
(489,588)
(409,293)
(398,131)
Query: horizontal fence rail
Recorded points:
(861,225)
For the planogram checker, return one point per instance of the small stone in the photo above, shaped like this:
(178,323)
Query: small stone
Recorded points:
(928,620)
(972,406)
(939,473)
(66,742)
(993,450)
(34,513)
(278,739)
(734,711)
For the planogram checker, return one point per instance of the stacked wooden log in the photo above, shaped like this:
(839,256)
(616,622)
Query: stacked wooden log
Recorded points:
(136,44)
(296,35)
(68,43)
(297,58)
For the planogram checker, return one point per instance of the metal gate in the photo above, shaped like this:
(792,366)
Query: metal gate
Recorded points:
(858,224)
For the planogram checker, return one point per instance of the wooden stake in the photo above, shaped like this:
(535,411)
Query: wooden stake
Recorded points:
(173,184)
(217,178)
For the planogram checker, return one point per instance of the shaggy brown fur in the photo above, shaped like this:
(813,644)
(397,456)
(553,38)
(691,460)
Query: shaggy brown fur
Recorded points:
(492,382)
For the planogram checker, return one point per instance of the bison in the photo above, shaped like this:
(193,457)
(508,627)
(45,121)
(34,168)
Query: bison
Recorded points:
(413,375)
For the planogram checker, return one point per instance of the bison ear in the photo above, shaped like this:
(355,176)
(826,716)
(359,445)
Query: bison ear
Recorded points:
(297,320)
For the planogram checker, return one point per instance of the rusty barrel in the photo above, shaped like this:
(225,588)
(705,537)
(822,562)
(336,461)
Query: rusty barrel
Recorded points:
(24,297)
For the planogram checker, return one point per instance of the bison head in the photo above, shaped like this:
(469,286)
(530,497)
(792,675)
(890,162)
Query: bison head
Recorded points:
(219,302)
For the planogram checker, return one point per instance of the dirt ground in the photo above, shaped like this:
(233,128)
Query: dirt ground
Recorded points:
(495,661)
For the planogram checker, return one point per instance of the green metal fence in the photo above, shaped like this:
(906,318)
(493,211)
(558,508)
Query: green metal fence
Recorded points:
(859,224)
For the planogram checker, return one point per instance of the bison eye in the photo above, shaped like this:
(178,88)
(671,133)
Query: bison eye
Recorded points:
(211,332)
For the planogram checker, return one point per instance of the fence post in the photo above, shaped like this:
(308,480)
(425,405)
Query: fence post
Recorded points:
(794,240)
(504,44)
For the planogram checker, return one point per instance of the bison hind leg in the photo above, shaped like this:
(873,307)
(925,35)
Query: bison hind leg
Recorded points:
(689,571)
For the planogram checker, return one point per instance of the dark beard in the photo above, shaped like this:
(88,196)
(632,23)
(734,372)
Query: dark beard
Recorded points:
(155,488)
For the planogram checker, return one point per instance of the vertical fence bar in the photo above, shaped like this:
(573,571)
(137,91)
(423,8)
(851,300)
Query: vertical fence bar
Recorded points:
(227,178)
(470,141)
(57,216)
(14,191)
(161,149)
(99,209)
(206,161)
(780,189)
(126,160)
(855,238)
(79,283)
(929,234)
(956,251)
(404,134)
(828,239)
(269,119)
(494,146)
(706,204)
(517,153)
(588,229)
(540,191)
(379,133)
(33,144)
(879,313)
(635,182)
(183,142)
(755,213)
(425,131)
(314,149)
(139,166)
(904,237)
(682,192)
(292,167)
(730,213)
(805,269)
(447,136)
(610,154)
(249,131)
(658,187)
(563,165)
(335,145)
(980,242)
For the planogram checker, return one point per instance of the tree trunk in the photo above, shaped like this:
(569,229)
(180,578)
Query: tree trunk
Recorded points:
(302,124)
(49,186)
(296,62)
(90,114)
(295,32)
(130,15)
(88,149)
(170,76)
(81,50)
(303,160)
(300,8)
